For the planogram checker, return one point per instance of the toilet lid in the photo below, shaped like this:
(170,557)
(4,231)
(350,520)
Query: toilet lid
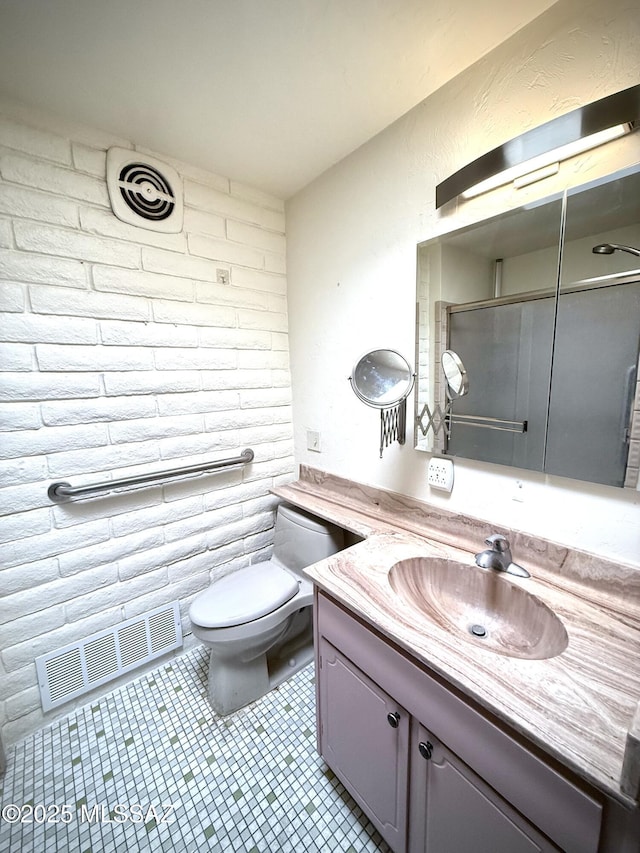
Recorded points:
(243,596)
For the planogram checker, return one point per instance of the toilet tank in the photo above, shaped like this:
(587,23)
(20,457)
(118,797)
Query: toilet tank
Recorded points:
(301,539)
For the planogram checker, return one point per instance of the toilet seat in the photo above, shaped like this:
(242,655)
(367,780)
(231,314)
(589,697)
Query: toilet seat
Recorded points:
(243,596)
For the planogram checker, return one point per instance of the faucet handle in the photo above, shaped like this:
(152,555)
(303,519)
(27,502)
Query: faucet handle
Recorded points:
(498,542)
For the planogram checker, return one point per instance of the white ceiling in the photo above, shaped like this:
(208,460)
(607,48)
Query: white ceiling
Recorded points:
(267,92)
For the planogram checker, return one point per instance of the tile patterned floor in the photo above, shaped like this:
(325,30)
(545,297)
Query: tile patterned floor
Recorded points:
(150,767)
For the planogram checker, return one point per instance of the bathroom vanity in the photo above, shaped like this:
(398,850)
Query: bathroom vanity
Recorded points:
(424,764)
(521,740)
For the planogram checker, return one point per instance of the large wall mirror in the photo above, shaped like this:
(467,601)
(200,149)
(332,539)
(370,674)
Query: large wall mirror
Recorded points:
(541,306)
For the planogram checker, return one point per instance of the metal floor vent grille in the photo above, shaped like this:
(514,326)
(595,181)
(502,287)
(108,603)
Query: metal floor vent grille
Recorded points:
(79,667)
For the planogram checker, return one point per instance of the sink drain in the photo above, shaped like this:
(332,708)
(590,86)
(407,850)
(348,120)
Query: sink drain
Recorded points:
(478,630)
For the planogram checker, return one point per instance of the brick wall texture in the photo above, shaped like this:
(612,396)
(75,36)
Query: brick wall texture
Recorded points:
(124,351)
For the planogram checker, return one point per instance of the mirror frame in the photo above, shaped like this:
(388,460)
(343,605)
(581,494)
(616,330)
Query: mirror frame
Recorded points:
(439,402)
(462,375)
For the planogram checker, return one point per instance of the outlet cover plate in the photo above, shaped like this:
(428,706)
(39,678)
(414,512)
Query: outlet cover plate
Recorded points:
(440,473)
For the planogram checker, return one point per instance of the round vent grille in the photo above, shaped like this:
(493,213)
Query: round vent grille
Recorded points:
(146,191)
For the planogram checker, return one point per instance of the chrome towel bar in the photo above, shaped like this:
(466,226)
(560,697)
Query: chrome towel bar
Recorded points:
(60,492)
(482,422)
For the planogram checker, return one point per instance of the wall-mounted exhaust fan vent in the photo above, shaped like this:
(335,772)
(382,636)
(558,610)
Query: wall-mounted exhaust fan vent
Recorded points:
(79,667)
(143,191)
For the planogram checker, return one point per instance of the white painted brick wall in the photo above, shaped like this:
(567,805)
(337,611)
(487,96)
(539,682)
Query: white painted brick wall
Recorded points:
(31,140)
(11,297)
(53,301)
(25,267)
(27,327)
(100,459)
(123,353)
(18,201)
(5,233)
(65,182)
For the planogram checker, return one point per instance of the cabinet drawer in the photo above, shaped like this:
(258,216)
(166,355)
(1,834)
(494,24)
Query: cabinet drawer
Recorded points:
(568,815)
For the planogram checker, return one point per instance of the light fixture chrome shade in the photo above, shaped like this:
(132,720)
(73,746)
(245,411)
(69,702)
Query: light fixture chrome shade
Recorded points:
(537,150)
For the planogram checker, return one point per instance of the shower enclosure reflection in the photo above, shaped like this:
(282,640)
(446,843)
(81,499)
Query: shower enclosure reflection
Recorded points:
(610,248)
(549,330)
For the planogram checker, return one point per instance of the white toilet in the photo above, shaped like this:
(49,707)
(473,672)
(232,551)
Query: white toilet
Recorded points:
(257,621)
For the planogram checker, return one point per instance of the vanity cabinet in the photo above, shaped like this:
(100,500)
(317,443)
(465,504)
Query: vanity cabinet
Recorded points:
(433,773)
(365,739)
(455,810)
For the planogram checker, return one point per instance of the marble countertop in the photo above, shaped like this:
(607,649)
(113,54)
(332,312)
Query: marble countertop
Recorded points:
(581,707)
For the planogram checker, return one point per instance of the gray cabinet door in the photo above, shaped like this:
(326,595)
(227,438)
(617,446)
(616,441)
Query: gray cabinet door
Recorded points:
(454,811)
(364,738)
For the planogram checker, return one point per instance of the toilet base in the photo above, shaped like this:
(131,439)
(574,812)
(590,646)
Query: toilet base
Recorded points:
(233,684)
(293,652)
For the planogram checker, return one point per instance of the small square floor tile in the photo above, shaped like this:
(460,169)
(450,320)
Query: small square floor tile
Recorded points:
(151,767)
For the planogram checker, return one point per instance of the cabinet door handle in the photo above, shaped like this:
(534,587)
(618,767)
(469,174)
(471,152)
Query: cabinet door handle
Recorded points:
(393,719)
(425,749)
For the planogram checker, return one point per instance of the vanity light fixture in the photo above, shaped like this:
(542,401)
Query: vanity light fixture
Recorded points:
(546,164)
(537,153)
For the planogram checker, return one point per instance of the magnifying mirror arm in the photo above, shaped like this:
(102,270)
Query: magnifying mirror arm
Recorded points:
(383,380)
(393,425)
(393,419)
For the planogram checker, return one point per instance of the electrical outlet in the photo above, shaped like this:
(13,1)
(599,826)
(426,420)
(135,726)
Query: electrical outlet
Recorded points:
(313,440)
(440,473)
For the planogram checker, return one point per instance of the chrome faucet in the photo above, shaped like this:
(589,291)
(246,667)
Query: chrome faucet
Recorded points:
(498,556)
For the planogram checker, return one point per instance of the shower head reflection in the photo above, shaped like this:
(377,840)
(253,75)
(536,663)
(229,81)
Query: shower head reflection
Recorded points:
(610,248)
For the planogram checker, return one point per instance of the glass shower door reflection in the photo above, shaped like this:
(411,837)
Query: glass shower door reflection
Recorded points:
(594,388)
(592,397)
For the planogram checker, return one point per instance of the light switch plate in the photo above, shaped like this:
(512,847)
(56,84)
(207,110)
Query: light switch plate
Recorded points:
(440,473)
(313,440)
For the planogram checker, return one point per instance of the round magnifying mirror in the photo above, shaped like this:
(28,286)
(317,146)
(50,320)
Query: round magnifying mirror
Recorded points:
(382,378)
(455,374)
